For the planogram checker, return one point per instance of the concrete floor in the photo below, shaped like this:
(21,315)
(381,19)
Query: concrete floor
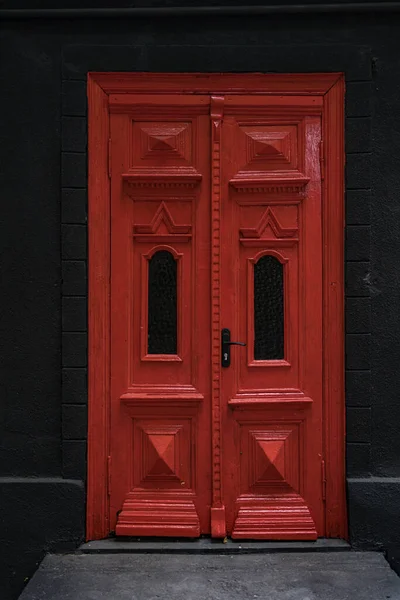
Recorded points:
(281,576)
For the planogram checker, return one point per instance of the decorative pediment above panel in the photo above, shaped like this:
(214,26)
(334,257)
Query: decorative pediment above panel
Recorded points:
(162,228)
(163,178)
(271,198)
(264,400)
(162,395)
(272,183)
(269,221)
(144,195)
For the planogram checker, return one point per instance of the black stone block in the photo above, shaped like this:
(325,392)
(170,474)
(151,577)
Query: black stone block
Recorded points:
(74,280)
(74,206)
(74,135)
(358,243)
(78,59)
(358,425)
(358,171)
(74,101)
(358,315)
(74,314)
(358,350)
(358,388)
(29,453)
(74,459)
(374,511)
(358,460)
(74,350)
(273,57)
(73,242)
(358,207)
(358,134)
(74,422)
(73,170)
(358,279)
(74,386)
(358,99)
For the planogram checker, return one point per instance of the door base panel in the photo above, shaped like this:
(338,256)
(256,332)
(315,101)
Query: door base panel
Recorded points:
(171,518)
(275,519)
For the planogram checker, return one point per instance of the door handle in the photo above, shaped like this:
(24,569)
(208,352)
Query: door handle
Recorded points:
(226,347)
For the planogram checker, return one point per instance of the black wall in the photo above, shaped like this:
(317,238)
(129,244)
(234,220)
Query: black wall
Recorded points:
(43,421)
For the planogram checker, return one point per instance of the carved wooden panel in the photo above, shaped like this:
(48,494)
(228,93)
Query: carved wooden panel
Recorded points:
(270,454)
(162,154)
(271,158)
(270,228)
(166,450)
(162,228)
(270,502)
(162,143)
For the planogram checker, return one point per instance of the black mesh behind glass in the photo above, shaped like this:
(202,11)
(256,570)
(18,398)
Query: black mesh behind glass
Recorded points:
(268,309)
(162,301)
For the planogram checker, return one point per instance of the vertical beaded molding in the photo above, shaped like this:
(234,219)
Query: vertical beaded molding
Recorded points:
(218,523)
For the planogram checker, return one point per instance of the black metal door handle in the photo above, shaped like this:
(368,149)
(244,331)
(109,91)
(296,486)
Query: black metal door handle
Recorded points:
(226,347)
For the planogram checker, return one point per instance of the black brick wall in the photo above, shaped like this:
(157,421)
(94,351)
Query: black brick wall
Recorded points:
(358,144)
(74,279)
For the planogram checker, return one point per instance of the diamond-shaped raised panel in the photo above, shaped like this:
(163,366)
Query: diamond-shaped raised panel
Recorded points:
(163,454)
(270,147)
(162,143)
(161,156)
(269,159)
(270,458)
(160,452)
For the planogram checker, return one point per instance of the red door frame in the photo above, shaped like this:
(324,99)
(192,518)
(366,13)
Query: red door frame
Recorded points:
(99,87)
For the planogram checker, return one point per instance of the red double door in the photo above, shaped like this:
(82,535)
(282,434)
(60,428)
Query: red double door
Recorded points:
(216,239)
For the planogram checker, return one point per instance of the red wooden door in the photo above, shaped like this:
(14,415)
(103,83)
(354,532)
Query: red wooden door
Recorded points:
(216,224)
(160,318)
(271,283)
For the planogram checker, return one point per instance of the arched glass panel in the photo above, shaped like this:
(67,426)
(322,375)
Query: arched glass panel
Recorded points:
(268,309)
(162,304)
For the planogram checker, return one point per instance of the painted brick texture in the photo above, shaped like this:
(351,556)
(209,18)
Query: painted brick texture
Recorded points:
(358,143)
(74,279)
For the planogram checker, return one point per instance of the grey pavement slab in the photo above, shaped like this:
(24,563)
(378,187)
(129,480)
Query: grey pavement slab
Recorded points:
(279,576)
